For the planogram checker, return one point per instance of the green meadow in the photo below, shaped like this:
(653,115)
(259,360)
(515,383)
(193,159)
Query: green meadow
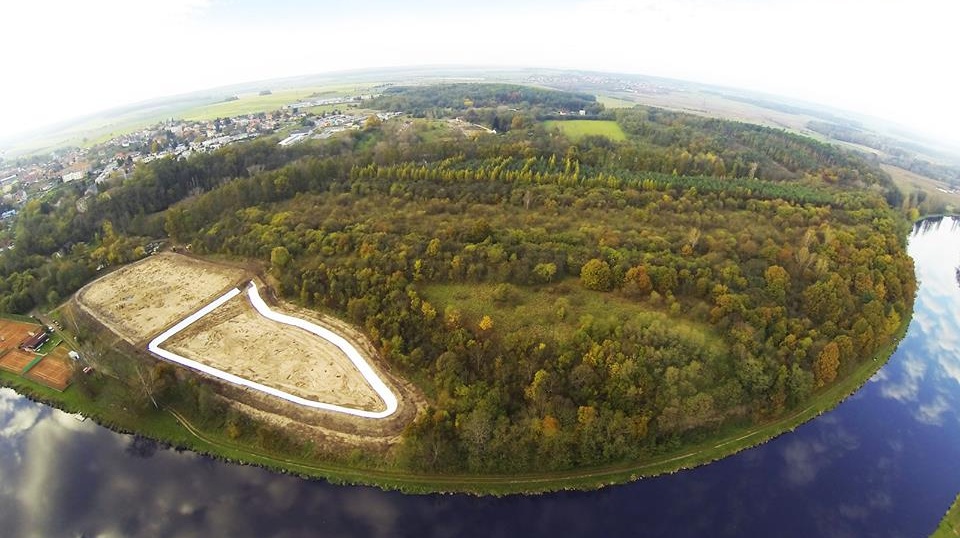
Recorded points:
(577,129)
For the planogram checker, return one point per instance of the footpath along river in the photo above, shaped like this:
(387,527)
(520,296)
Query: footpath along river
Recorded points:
(884,463)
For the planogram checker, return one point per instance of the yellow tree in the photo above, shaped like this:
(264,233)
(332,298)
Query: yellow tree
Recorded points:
(826,365)
(638,281)
(778,281)
(596,275)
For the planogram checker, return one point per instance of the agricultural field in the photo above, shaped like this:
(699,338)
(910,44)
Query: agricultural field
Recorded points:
(614,102)
(142,299)
(235,338)
(577,129)
(248,103)
(936,199)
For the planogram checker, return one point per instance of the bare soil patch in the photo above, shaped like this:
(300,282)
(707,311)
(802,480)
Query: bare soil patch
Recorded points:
(16,360)
(54,370)
(14,332)
(237,339)
(141,299)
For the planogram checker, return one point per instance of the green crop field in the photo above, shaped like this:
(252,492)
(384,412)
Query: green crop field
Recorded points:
(247,104)
(577,129)
(614,102)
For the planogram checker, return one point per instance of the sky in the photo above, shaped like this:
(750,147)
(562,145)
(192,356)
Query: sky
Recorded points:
(893,59)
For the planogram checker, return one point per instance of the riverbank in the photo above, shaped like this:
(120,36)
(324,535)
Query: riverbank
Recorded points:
(949,526)
(173,427)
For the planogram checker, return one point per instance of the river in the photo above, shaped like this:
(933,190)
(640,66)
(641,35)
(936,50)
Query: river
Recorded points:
(884,463)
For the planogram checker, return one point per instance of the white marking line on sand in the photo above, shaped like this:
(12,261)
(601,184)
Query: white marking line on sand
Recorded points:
(389,399)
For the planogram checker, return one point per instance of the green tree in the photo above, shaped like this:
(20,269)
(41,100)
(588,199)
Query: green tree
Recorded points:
(778,282)
(596,275)
(279,258)
(545,271)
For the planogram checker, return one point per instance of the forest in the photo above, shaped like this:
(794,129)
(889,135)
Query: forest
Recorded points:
(560,304)
(494,105)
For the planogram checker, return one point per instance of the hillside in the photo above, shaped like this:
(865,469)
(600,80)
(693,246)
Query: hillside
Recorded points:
(561,304)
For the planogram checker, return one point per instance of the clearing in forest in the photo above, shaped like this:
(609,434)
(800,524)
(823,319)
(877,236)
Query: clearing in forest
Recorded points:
(236,338)
(141,299)
(577,129)
(195,315)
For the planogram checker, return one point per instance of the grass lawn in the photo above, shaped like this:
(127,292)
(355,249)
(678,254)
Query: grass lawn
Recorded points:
(50,344)
(19,317)
(577,129)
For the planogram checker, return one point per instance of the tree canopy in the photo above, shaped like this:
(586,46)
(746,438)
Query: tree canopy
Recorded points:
(560,303)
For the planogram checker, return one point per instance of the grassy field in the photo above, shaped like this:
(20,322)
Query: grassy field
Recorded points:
(577,129)
(50,344)
(614,102)
(937,201)
(346,108)
(561,307)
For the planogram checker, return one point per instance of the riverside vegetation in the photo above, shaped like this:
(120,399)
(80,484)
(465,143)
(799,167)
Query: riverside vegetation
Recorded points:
(562,305)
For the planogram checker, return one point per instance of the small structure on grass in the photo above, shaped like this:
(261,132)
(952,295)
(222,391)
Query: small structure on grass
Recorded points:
(34,341)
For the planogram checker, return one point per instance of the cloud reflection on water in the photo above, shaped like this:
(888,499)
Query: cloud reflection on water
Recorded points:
(805,457)
(72,484)
(843,474)
(14,423)
(932,347)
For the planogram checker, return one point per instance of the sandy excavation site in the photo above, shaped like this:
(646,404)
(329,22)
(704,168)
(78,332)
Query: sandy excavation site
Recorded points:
(206,317)
(140,300)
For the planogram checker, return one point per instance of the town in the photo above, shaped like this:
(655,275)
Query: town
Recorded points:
(24,179)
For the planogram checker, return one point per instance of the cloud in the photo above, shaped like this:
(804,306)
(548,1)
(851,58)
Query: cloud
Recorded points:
(803,460)
(13,421)
(141,50)
(907,388)
(932,413)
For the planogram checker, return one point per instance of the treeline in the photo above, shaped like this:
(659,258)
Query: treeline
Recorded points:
(539,171)
(692,145)
(61,240)
(494,105)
